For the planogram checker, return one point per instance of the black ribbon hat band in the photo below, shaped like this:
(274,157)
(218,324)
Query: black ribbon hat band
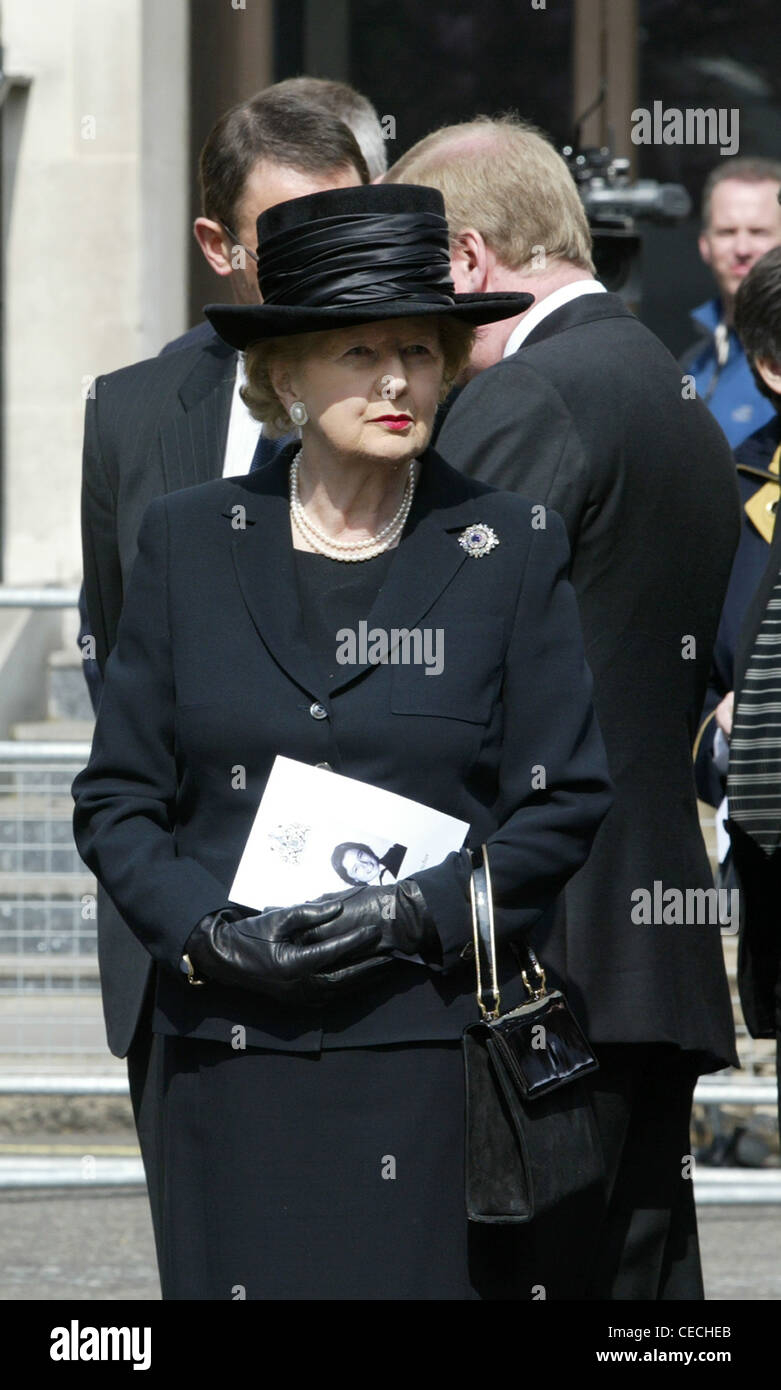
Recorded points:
(354,255)
(365,258)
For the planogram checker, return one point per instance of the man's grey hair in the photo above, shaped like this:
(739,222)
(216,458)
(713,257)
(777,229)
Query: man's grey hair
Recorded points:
(357,112)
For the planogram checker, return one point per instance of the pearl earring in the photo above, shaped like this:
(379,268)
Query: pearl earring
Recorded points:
(298,413)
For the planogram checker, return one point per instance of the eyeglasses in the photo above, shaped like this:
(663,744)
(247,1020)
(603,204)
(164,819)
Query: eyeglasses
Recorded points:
(236,241)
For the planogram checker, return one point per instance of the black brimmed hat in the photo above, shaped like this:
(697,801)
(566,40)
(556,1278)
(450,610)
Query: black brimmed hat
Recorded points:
(355,255)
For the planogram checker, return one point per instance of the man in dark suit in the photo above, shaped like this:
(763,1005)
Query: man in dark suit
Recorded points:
(758,320)
(176,420)
(740,222)
(752,724)
(577,406)
(286,141)
(757,460)
(758,868)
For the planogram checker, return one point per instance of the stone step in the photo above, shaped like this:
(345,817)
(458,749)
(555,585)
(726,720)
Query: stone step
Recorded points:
(24,777)
(42,934)
(66,965)
(68,697)
(22,806)
(36,834)
(46,885)
(69,730)
(55,855)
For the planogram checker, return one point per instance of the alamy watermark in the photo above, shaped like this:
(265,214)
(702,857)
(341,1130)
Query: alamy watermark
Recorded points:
(77,1343)
(690,907)
(395,646)
(694,125)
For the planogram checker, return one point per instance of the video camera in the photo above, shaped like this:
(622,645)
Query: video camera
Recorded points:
(616,207)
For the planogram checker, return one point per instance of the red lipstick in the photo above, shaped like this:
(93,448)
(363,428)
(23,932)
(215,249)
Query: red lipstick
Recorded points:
(393,422)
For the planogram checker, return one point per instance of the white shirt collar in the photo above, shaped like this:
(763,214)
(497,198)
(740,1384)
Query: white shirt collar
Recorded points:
(243,429)
(546,306)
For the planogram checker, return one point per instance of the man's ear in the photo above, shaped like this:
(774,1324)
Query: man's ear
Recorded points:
(469,262)
(770,372)
(704,244)
(215,244)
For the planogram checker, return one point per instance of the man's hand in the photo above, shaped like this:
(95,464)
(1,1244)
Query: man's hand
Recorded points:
(724,711)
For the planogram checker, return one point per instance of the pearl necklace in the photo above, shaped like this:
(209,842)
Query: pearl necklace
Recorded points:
(349,550)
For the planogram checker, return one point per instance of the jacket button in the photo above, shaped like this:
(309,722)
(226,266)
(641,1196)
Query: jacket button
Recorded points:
(318,711)
(326,767)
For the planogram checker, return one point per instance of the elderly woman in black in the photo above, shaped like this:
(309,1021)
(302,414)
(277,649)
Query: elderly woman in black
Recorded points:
(310,1108)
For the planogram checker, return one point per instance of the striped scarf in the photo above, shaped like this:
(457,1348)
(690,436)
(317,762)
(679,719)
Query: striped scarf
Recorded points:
(754,774)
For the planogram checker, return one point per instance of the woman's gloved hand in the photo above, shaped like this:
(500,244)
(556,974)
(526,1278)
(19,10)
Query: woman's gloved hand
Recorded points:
(266,952)
(399,911)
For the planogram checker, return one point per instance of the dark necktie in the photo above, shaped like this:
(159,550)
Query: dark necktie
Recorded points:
(754,775)
(267,449)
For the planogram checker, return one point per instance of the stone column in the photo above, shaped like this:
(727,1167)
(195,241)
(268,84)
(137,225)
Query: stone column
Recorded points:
(95,191)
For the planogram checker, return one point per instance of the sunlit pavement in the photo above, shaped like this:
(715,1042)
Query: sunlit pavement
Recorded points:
(98,1244)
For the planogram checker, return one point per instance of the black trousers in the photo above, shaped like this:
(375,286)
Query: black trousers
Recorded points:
(647,1246)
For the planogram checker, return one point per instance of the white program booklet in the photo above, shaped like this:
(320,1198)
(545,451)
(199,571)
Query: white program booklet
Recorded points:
(317,832)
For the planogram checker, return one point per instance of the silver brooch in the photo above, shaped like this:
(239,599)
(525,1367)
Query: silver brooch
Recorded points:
(477,540)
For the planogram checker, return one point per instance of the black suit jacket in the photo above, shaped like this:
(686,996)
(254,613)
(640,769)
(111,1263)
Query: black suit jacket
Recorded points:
(212,673)
(758,875)
(150,429)
(588,417)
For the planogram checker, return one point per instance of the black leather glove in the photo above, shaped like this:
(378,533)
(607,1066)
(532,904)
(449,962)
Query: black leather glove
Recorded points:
(399,911)
(265,952)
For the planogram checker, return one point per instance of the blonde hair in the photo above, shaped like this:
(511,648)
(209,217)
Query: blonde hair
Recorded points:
(503,177)
(456,340)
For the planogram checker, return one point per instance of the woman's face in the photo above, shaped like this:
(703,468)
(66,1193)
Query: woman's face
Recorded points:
(360,866)
(371,391)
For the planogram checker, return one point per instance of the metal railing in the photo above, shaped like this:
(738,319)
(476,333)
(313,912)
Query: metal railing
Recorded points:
(47,596)
(50,1011)
(713,1186)
(49,990)
(68,751)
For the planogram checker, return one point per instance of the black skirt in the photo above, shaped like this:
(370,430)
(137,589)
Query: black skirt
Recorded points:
(330,1176)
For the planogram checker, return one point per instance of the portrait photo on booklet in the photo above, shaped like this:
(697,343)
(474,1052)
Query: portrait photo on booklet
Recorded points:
(315,831)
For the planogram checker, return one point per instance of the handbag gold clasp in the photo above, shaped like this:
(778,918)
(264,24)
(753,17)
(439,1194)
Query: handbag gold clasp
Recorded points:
(538,989)
(490,1015)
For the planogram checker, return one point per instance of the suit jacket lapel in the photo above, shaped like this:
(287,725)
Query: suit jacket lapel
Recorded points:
(424,563)
(192,442)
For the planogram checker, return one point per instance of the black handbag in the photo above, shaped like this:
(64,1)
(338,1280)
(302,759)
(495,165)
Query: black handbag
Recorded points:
(531,1137)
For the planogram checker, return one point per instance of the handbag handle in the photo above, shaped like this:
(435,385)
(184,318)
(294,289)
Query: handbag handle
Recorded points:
(532,973)
(488,998)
